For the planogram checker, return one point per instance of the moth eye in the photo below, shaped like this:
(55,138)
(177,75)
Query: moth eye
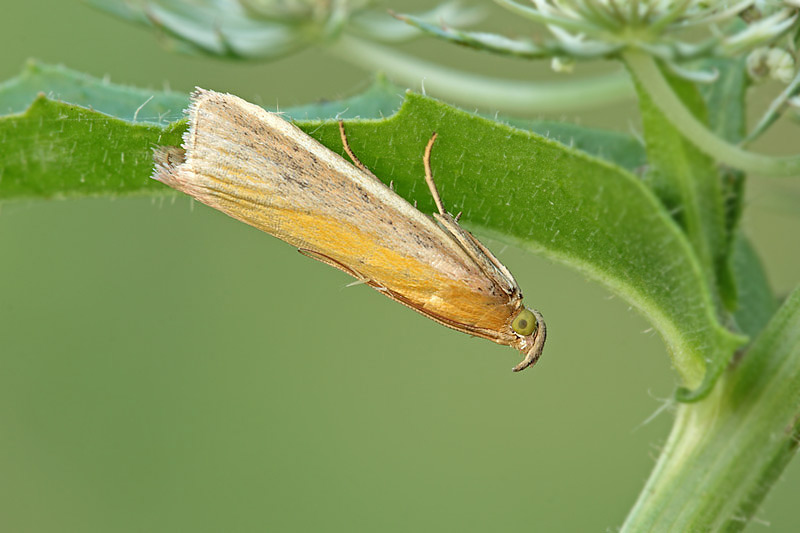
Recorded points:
(524,323)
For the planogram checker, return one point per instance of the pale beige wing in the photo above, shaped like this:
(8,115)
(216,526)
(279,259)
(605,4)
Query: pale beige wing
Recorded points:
(264,171)
(491,266)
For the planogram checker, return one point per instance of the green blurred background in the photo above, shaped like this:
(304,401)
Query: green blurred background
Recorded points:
(165,368)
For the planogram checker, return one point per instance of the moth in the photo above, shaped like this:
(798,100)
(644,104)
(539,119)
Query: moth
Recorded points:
(258,168)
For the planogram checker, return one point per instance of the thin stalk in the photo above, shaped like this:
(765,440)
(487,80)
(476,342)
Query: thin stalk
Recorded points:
(646,71)
(774,111)
(726,452)
(491,93)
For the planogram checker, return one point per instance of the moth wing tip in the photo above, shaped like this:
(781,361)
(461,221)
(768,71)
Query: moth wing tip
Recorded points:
(167,159)
(199,92)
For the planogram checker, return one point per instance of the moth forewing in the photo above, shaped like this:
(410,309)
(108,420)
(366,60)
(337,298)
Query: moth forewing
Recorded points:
(489,264)
(258,168)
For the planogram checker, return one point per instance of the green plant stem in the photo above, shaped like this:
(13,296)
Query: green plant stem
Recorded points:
(502,94)
(646,71)
(725,452)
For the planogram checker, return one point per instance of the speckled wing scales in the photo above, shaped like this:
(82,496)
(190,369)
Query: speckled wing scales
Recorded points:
(256,167)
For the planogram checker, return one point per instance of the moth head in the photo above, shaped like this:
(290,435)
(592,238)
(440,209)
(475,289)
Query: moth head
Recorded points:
(529,326)
(524,323)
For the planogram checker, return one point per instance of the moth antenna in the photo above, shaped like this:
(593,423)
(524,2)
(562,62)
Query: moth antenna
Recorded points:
(429,175)
(356,161)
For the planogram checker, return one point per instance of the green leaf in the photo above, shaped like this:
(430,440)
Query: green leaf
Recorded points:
(687,182)
(60,150)
(60,83)
(757,302)
(508,182)
(725,98)
(685,179)
(615,147)
(380,100)
(725,102)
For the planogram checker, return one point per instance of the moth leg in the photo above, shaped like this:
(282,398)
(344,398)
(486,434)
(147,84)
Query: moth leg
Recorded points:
(356,161)
(426,160)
